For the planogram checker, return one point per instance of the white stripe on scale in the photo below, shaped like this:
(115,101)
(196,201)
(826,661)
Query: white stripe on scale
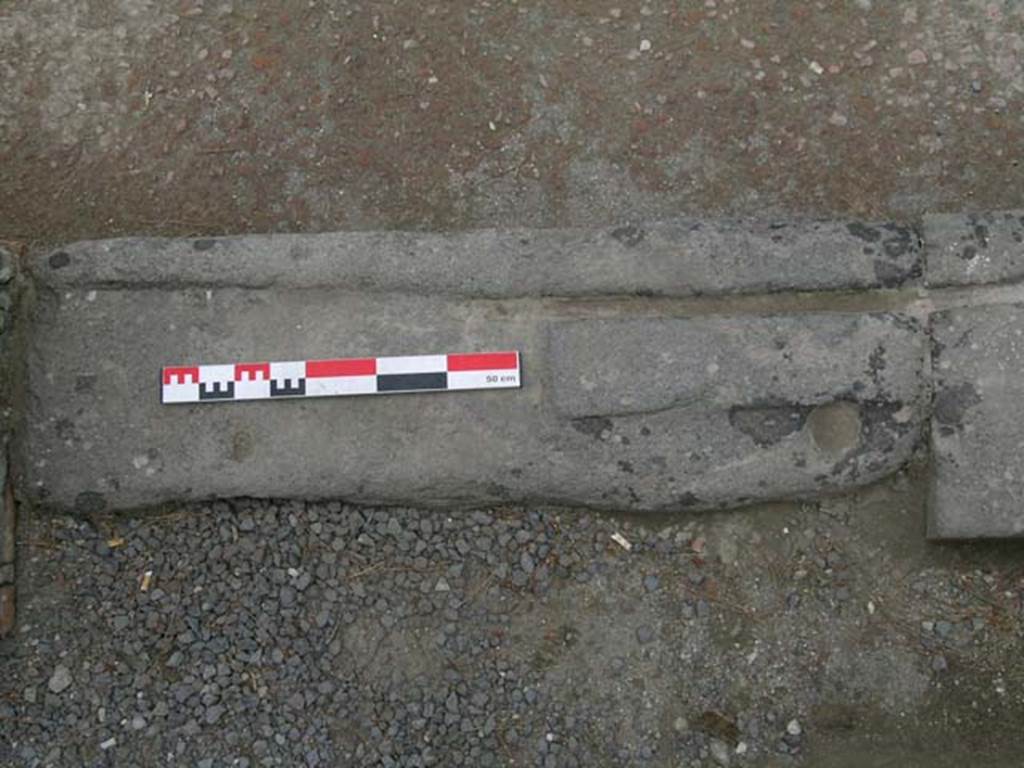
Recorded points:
(501,379)
(325,386)
(412,364)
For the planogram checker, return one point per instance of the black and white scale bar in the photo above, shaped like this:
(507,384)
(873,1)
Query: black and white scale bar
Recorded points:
(411,382)
(339,377)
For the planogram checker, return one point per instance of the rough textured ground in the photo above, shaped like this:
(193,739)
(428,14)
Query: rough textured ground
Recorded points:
(259,633)
(222,116)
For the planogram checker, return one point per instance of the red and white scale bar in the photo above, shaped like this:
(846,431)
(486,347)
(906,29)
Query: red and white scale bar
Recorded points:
(333,378)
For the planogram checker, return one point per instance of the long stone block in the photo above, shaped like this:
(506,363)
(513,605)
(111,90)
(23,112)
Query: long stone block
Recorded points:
(977,436)
(680,258)
(616,412)
(974,249)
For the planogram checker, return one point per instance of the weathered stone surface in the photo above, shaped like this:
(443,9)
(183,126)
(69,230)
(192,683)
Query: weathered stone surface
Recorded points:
(797,404)
(977,433)
(682,258)
(973,249)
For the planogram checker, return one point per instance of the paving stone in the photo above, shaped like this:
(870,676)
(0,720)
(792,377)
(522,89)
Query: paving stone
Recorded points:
(972,249)
(977,435)
(618,413)
(676,258)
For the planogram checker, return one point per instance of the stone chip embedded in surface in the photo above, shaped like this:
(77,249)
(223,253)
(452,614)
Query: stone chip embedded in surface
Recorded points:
(977,425)
(615,412)
(973,249)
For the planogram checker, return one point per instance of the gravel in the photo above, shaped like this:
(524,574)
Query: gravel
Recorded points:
(316,634)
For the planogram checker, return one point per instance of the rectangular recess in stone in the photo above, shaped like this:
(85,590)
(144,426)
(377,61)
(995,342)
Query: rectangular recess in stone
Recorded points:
(977,431)
(618,367)
(974,248)
(672,258)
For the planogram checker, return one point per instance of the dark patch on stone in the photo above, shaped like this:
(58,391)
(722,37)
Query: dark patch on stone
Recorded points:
(868,250)
(625,466)
(968,253)
(594,426)
(85,383)
(203,245)
(899,241)
(65,429)
(629,235)
(90,502)
(498,491)
(889,275)
(952,403)
(688,500)
(516,472)
(768,425)
(878,435)
(981,235)
(864,232)
(645,431)
(59,259)
(876,363)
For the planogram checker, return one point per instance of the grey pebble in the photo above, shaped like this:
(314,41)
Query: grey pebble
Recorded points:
(60,680)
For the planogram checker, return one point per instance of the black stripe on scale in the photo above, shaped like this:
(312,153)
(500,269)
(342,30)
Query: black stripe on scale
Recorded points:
(217,390)
(287,387)
(410,382)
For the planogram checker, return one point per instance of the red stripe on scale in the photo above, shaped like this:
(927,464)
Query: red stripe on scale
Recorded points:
(252,371)
(490,361)
(181,373)
(316,369)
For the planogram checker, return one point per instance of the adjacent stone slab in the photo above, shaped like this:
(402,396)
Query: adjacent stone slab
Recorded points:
(978,423)
(681,258)
(618,413)
(973,249)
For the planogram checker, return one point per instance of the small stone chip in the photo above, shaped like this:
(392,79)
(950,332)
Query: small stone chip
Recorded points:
(60,680)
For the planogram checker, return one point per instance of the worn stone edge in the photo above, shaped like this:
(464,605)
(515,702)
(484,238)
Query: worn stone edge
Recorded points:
(618,261)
